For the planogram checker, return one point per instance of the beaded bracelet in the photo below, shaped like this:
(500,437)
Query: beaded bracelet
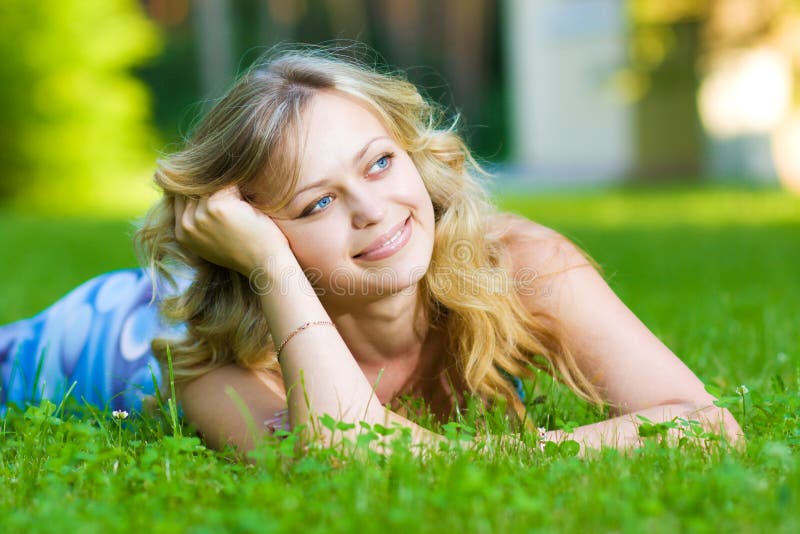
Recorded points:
(297,331)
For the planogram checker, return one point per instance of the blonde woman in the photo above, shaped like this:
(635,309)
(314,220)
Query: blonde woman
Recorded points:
(342,253)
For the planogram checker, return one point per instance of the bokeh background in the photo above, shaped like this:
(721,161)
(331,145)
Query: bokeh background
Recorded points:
(552,93)
(662,136)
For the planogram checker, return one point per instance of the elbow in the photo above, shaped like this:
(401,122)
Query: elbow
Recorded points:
(732,430)
(717,420)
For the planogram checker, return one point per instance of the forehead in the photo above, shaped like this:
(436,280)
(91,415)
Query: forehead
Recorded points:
(336,124)
(331,129)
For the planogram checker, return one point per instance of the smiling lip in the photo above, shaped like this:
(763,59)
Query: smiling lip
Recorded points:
(380,249)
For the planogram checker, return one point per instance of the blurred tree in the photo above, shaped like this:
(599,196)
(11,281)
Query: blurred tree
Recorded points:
(451,49)
(684,42)
(73,120)
(212,21)
(723,25)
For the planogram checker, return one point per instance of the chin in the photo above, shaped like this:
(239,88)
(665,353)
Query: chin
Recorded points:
(397,273)
(392,279)
(407,280)
(382,279)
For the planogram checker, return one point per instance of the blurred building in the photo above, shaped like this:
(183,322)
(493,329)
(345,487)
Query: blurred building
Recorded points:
(570,122)
(604,89)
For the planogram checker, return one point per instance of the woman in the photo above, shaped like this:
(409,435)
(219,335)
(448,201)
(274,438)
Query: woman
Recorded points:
(343,253)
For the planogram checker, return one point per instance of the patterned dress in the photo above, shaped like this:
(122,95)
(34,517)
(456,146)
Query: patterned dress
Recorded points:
(96,337)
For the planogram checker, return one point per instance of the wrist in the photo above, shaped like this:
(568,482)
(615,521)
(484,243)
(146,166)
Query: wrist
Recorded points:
(272,270)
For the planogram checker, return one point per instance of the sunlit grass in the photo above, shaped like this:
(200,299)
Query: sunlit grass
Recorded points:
(42,257)
(712,272)
(649,207)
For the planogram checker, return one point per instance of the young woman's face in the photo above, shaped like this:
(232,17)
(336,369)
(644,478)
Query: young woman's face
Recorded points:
(371,193)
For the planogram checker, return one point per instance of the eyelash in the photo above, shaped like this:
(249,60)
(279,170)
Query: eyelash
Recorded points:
(389,156)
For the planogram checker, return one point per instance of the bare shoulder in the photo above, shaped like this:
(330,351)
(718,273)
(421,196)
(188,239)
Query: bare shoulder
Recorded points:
(209,403)
(537,248)
(612,347)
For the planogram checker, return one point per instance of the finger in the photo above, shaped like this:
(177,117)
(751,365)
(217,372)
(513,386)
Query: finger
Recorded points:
(201,212)
(179,205)
(221,201)
(231,191)
(225,196)
(188,216)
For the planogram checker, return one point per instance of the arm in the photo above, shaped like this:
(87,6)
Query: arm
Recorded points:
(622,432)
(208,404)
(320,374)
(319,371)
(636,372)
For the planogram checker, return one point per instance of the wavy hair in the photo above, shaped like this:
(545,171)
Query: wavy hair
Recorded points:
(245,139)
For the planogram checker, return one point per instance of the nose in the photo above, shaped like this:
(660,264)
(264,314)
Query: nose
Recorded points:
(366,208)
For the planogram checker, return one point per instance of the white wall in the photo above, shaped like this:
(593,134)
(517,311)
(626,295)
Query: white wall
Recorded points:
(568,121)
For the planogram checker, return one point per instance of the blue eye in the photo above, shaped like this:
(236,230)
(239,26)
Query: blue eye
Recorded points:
(319,203)
(382,163)
(324,201)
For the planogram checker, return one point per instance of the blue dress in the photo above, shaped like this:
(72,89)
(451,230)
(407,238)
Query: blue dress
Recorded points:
(97,336)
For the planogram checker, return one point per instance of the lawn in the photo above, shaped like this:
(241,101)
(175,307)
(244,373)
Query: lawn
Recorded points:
(714,272)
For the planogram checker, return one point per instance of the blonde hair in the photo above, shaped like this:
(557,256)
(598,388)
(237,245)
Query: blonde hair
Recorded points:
(244,140)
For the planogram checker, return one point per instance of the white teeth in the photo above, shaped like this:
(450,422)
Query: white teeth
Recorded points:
(394,238)
(388,242)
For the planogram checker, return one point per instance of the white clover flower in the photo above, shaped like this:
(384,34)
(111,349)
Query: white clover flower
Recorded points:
(119,414)
(742,390)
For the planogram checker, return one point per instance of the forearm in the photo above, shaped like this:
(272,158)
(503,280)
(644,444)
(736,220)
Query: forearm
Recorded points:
(622,432)
(319,371)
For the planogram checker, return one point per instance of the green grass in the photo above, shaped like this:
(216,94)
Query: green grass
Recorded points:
(713,272)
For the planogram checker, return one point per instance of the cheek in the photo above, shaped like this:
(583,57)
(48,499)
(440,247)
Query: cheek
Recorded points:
(423,200)
(317,247)
(412,182)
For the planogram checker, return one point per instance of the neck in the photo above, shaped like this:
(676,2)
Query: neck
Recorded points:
(391,329)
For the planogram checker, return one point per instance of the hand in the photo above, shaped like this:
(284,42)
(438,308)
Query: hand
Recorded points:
(226,230)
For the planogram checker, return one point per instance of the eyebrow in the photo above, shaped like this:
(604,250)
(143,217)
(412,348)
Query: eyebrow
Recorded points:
(356,159)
